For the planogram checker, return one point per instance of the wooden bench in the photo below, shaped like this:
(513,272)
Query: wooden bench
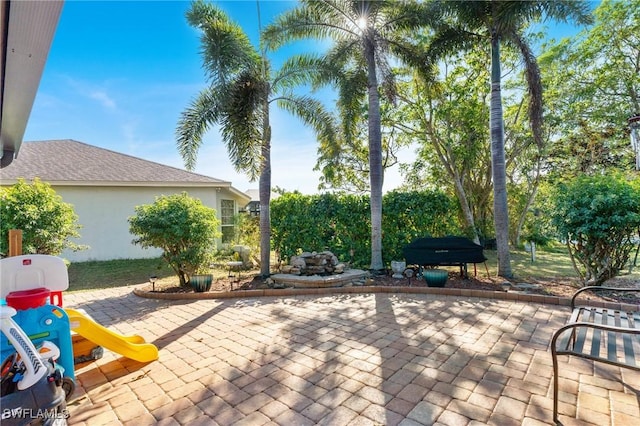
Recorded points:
(604,334)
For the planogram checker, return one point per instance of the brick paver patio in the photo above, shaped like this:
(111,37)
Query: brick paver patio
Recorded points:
(356,359)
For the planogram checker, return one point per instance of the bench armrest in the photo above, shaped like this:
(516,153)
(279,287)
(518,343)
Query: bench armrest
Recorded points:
(625,330)
(596,288)
(585,325)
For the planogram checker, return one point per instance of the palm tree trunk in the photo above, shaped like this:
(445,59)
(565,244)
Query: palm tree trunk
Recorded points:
(264,191)
(375,160)
(498,164)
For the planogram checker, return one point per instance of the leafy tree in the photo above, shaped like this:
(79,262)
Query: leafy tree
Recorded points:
(467,24)
(593,86)
(47,222)
(184,228)
(344,162)
(365,35)
(238,99)
(598,216)
(448,117)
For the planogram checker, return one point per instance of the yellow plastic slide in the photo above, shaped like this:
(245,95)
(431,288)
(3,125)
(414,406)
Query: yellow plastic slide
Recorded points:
(132,347)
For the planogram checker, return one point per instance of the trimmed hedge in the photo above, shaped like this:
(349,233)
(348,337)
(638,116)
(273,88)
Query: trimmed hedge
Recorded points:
(341,223)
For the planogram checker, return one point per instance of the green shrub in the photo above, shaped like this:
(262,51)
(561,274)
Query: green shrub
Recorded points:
(341,223)
(47,223)
(183,228)
(598,216)
(417,214)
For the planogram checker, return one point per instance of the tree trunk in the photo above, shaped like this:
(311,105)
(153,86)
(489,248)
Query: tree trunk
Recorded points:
(498,164)
(375,160)
(445,158)
(264,190)
(530,199)
(467,213)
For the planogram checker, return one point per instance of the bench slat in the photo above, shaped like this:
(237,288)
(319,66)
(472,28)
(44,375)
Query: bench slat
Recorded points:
(627,342)
(634,323)
(612,347)
(588,333)
(582,332)
(599,318)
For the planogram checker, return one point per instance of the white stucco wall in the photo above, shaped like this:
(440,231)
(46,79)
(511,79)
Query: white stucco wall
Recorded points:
(103,214)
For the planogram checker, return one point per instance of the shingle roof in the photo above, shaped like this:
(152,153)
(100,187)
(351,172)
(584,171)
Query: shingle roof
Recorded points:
(69,161)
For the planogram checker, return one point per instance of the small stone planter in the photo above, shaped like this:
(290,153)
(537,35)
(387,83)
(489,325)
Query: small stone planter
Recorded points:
(435,277)
(201,283)
(398,267)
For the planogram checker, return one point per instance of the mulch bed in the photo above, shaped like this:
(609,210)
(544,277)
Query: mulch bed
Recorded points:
(561,287)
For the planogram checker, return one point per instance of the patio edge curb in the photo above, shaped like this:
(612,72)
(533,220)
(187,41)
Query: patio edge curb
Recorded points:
(483,294)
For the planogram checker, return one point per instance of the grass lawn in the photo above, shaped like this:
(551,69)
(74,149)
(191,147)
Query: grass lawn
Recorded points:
(124,272)
(550,263)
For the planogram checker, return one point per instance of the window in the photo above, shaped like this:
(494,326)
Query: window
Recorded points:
(227,211)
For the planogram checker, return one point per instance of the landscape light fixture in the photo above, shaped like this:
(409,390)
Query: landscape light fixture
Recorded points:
(152,280)
(634,125)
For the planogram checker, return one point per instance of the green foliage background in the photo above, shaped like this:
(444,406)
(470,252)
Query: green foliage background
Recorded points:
(47,222)
(341,223)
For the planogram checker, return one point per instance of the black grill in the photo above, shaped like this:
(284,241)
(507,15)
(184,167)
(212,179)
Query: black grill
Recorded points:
(444,251)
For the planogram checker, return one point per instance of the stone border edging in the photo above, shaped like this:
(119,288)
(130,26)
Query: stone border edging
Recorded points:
(485,294)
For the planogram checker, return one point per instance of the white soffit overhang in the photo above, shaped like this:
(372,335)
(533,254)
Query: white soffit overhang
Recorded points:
(26,32)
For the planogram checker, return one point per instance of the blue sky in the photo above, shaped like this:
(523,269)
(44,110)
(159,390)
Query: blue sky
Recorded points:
(119,73)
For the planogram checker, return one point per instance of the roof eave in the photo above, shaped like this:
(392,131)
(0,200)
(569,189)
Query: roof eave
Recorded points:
(26,32)
(216,185)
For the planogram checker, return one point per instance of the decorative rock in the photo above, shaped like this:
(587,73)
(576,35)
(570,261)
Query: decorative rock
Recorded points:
(298,262)
(313,263)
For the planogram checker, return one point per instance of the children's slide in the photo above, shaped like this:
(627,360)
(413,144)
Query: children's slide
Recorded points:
(132,347)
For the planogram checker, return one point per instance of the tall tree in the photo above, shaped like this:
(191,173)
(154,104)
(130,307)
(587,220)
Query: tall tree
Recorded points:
(592,86)
(365,35)
(241,90)
(466,24)
(447,119)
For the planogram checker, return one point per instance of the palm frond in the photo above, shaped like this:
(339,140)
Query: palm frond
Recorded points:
(451,39)
(225,48)
(242,121)
(534,85)
(312,113)
(299,70)
(565,10)
(312,19)
(202,113)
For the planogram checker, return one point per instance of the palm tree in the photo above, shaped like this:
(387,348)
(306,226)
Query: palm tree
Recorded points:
(366,34)
(466,24)
(241,91)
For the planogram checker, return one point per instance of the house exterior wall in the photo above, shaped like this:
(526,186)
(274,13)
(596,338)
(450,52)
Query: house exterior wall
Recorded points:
(103,213)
